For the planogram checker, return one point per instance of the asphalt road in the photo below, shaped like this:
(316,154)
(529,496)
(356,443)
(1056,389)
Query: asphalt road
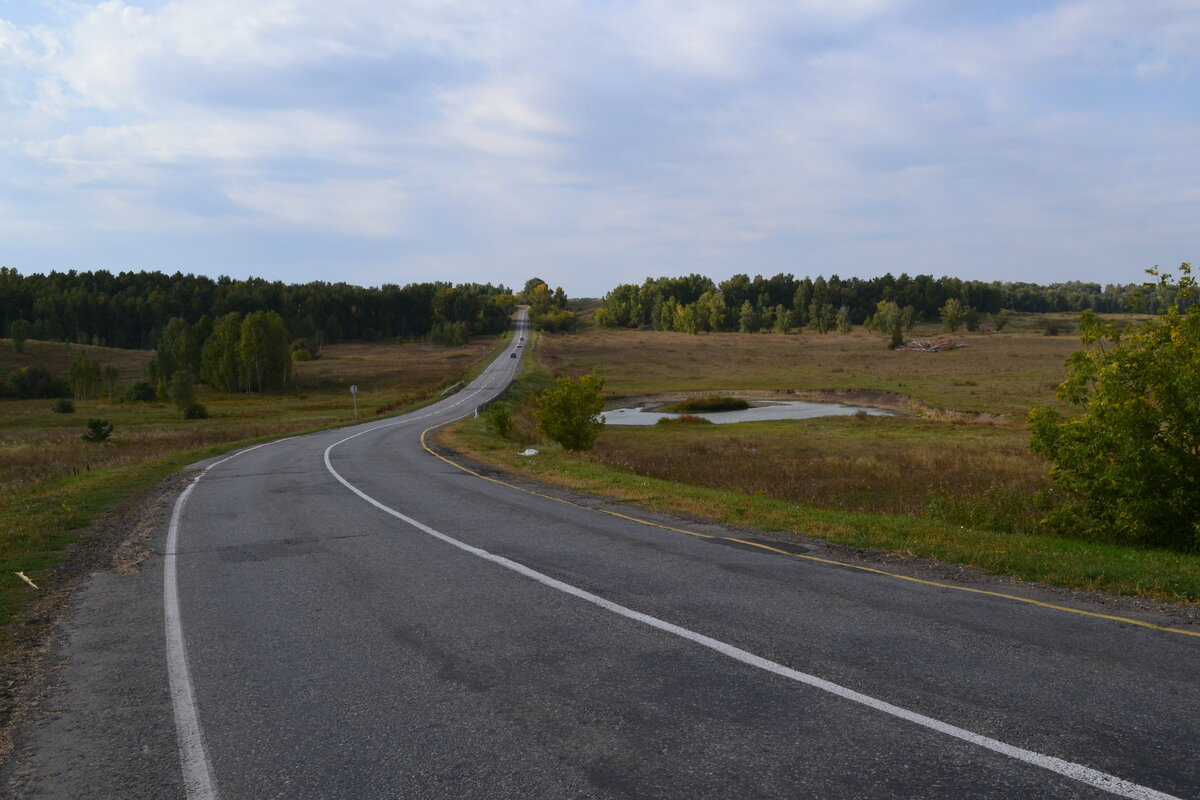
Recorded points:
(359,618)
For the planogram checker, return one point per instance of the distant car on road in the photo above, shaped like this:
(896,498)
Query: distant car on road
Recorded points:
(512,355)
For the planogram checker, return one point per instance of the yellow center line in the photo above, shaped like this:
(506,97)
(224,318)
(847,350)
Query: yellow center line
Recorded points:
(832,562)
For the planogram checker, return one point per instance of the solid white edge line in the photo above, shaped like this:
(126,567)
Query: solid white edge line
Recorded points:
(1078,772)
(193,756)
(198,782)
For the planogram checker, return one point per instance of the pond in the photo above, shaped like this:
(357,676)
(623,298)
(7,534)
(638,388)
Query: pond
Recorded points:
(781,409)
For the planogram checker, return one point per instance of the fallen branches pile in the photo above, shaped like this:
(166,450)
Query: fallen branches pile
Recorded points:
(932,345)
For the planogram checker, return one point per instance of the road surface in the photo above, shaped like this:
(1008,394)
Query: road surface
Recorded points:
(349,615)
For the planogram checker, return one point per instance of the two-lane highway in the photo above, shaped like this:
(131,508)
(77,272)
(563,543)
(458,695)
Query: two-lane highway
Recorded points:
(349,615)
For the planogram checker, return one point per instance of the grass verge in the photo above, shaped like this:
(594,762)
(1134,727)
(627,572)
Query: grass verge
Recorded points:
(1024,554)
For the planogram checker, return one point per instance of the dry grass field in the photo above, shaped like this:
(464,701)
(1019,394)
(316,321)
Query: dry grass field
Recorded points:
(39,445)
(867,463)
(1002,373)
(958,453)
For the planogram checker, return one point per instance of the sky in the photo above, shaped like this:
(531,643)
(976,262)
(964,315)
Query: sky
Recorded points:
(598,142)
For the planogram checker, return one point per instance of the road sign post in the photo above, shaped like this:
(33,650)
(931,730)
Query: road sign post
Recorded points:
(354,394)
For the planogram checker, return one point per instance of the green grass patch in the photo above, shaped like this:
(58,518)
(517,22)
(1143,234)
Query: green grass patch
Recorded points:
(685,419)
(696,405)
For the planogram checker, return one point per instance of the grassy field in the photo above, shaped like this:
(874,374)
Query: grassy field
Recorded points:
(1000,374)
(53,484)
(935,483)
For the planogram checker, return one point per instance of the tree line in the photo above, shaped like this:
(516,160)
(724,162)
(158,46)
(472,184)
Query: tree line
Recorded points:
(695,303)
(132,309)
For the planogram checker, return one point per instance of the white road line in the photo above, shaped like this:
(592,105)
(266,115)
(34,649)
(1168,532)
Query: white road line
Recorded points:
(1087,775)
(198,782)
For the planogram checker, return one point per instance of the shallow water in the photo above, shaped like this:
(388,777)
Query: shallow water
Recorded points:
(782,409)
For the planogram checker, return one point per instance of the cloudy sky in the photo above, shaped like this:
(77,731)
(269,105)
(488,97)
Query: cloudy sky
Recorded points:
(594,142)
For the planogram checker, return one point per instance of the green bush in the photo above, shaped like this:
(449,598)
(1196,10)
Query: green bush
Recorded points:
(195,411)
(709,403)
(35,383)
(1127,469)
(99,430)
(139,392)
(499,419)
(569,411)
(64,405)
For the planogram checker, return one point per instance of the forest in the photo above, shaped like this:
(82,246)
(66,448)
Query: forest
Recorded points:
(131,309)
(696,303)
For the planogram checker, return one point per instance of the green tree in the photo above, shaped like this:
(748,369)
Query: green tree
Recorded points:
(892,320)
(85,376)
(220,366)
(710,312)
(842,320)
(1127,468)
(182,391)
(783,319)
(820,317)
(569,412)
(998,320)
(749,320)
(19,331)
(173,348)
(264,351)
(99,431)
(953,314)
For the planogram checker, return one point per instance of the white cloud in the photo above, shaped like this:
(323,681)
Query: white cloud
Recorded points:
(645,132)
(374,208)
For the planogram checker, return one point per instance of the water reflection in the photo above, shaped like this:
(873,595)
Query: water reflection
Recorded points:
(782,409)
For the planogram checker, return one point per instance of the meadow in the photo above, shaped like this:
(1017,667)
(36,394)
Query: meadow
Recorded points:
(951,478)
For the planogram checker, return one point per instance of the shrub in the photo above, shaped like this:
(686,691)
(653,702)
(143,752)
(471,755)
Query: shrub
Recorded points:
(195,411)
(64,405)
(139,392)
(99,430)
(710,403)
(304,350)
(1126,468)
(35,383)
(569,412)
(499,419)
(1049,327)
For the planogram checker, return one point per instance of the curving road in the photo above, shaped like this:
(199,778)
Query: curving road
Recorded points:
(349,615)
